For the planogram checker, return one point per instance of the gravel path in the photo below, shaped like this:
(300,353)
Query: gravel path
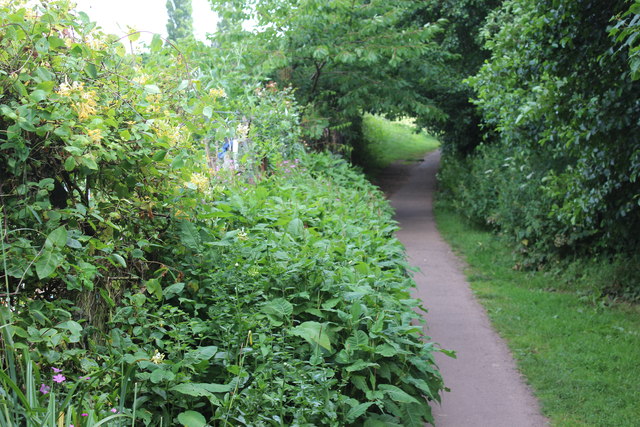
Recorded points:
(486,388)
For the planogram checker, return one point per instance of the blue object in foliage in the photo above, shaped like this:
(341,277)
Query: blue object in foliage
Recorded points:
(225,148)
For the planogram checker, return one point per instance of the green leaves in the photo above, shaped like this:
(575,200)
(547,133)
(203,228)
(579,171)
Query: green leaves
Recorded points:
(550,175)
(57,238)
(357,411)
(348,57)
(397,394)
(295,227)
(47,262)
(226,292)
(192,419)
(51,257)
(201,389)
(279,307)
(314,333)
(189,235)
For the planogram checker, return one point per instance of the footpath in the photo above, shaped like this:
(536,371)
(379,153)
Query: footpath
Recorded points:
(486,388)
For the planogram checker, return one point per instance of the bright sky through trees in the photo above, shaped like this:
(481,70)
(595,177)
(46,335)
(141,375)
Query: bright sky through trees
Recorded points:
(114,16)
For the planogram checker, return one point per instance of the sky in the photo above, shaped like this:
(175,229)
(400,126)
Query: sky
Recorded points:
(114,16)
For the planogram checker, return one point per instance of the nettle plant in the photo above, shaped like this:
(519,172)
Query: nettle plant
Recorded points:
(292,308)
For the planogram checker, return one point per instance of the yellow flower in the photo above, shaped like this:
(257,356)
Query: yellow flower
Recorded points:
(242,131)
(86,105)
(217,93)
(66,89)
(157,357)
(200,181)
(95,135)
(181,215)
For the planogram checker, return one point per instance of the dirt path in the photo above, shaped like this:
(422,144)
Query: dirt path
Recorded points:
(486,388)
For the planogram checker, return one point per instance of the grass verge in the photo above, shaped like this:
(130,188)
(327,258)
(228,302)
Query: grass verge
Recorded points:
(580,354)
(392,141)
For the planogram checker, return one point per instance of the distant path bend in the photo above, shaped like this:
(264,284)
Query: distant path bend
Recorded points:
(486,388)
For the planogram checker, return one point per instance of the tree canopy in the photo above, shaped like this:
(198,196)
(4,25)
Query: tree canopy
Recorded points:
(343,57)
(180,21)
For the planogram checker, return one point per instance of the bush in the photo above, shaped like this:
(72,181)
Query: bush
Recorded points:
(296,294)
(559,105)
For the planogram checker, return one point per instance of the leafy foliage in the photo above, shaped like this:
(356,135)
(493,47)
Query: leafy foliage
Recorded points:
(343,57)
(560,172)
(443,82)
(301,293)
(192,283)
(625,31)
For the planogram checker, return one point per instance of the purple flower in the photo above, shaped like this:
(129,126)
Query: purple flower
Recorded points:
(85,378)
(44,389)
(114,410)
(84,414)
(59,378)
(56,370)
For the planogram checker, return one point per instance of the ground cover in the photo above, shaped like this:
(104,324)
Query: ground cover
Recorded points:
(578,351)
(393,141)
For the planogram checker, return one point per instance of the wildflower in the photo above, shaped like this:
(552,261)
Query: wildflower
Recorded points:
(56,370)
(85,378)
(114,410)
(66,89)
(87,106)
(242,130)
(59,378)
(44,389)
(200,181)
(84,414)
(157,358)
(95,43)
(181,215)
(217,93)
(95,135)
(242,235)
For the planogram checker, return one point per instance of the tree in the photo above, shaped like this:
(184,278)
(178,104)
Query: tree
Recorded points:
(459,129)
(559,92)
(180,23)
(344,57)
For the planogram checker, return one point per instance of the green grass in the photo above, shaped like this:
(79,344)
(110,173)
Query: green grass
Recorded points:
(580,355)
(389,142)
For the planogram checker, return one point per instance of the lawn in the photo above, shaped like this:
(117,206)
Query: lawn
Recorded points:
(393,141)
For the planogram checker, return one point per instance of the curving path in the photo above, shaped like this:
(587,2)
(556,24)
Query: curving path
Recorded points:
(486,388)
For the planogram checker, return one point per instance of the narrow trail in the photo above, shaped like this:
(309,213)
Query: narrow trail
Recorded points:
(486,388)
